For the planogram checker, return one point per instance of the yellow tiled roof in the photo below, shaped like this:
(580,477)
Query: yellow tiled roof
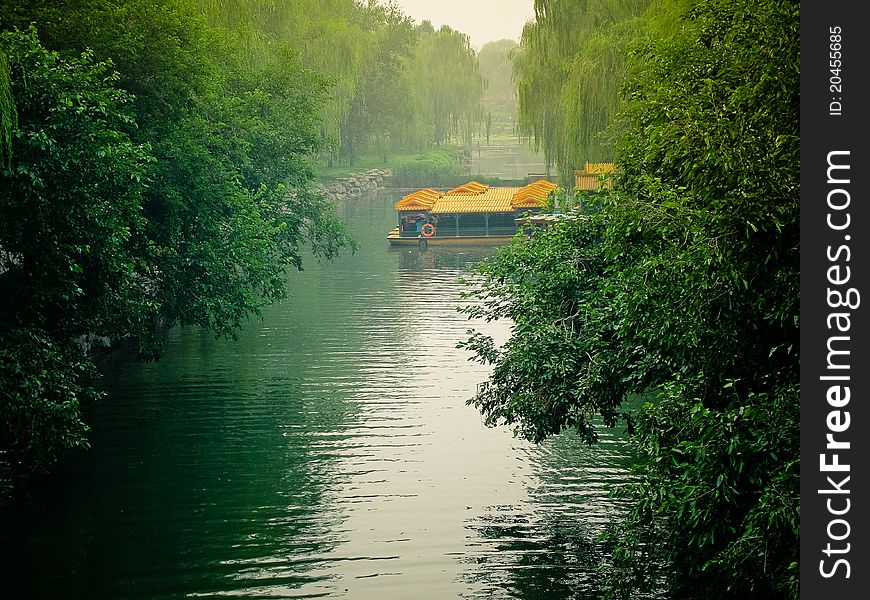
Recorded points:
(533,195)
(470,188)
(474,197)
(492,200)
(420,200)
(589,178)
(591,183)
(593,168)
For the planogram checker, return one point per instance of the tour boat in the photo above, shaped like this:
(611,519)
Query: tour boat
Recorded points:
(471,213)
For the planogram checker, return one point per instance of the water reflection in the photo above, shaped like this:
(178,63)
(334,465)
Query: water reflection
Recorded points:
(437,258)
(525,559)
(549,546)
(328,452)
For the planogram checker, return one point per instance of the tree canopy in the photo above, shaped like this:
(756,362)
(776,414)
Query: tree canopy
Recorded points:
(683,285)
(155,176)
(569,66)
(70,199)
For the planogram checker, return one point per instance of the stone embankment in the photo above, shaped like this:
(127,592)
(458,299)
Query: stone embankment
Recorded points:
(356,184)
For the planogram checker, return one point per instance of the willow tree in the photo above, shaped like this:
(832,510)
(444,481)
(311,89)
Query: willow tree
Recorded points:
(380,112)
(7,109)
(568,72)
(446,86)
(331,37)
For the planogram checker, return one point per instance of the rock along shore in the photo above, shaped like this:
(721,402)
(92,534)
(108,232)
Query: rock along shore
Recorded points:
(356,184)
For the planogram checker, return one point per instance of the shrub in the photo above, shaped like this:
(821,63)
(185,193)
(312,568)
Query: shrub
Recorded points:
(434,168)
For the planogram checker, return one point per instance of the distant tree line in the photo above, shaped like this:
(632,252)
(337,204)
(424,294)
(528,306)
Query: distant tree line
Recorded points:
(394,85)
(157,161)
(682,285)
(500,96)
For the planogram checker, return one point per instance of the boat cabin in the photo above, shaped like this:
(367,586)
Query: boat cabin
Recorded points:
(472,211)
(595,176)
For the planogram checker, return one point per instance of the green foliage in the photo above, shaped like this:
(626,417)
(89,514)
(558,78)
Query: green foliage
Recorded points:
(500,96)
(718,244)
(380,111)
(122,215)
(445,88)
(71,200)
(331,36)
(40,401)
(568,69)
(689,286)
(439,167)
(228,208)
(7,110)
(548,287)
(394,86)
(69,211)
(715,510)
(693,115)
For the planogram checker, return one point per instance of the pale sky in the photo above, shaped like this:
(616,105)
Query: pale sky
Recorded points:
(483,20)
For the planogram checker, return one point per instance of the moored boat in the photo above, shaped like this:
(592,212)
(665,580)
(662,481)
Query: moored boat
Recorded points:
(471,213)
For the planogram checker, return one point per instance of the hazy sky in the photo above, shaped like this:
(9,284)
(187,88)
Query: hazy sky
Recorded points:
(483,20)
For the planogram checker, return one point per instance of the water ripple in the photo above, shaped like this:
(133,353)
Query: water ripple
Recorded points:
(328,452)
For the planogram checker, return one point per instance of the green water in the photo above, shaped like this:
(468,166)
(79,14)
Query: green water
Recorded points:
(326,453)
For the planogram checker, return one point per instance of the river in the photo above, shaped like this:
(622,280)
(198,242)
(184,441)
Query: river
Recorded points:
(328,452)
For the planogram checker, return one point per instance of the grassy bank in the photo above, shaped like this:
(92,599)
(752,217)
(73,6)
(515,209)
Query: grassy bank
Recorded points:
(442,167)
(328,174)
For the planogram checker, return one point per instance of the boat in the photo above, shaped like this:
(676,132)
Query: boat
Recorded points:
(471,213)
(595,176)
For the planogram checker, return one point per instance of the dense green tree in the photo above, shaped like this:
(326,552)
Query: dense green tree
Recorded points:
(72,194)
(228,205)
(70,210)
(445,87)
(556,370)
(184,204)
(718,105)
(335,38)
(685,283)
(380,112)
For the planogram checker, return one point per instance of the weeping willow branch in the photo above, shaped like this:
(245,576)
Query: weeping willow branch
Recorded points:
(568,70)
(7,111)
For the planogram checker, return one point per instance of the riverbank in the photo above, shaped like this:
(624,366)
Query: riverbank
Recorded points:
(355,184)
(313,452)
(505,161)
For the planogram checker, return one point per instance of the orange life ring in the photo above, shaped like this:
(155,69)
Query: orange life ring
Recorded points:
(428,230)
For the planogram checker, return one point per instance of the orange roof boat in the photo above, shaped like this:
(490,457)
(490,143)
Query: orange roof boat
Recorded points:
(472,212)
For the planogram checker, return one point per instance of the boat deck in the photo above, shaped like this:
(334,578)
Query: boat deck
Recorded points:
(395,239)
